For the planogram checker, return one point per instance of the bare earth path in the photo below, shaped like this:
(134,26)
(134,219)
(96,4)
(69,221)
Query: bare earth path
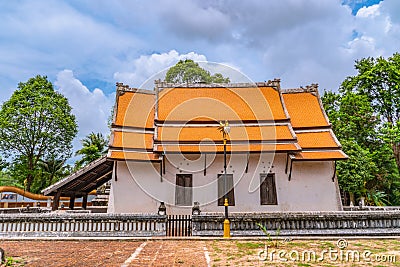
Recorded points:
(171,253)
(204,252)
(106,253)
(70,253)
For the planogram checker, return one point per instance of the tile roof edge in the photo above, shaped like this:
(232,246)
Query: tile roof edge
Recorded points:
(122,88)
(270,83)
(313,88)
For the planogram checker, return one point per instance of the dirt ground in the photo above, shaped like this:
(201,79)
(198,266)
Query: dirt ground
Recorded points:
(201,252)
(104,253)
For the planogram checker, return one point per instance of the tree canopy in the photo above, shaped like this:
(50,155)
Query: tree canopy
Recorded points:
(36,124)
(188,71)
(379,80)
(365,117)
(94,146)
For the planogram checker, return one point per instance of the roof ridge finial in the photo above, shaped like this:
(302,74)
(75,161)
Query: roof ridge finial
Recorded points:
(122,86)
(312,88)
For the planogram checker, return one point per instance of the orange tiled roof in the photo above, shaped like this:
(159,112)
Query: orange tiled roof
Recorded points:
(229,148)
(320,155)
(304,110)
(135,109)
(202,105)
(322,139)
(219,103)
(238,133)
(137,156)
(132,140)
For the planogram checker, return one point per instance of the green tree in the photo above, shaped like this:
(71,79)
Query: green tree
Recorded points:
(379,80)
(52,169)
(34,123)
(352,117)
(188,71)
(94,146)
(355,174)
(353,122)
(367,136)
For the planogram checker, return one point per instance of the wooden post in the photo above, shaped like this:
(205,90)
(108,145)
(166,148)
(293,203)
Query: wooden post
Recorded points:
(56,200)
(84,201)
(205,164)
(72,202)
(334,171)
(115,170)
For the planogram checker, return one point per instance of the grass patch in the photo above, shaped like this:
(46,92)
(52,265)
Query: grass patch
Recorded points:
(10,261)
(325,244)
(249,245)
(378,250)
(238,253)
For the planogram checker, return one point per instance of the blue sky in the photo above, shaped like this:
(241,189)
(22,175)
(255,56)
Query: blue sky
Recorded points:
(85,46)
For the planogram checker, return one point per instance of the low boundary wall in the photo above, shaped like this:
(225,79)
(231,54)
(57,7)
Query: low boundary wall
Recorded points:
(81,225)
(341,223)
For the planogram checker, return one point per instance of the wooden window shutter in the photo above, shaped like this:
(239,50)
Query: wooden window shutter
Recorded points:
(268,189)
(183,190)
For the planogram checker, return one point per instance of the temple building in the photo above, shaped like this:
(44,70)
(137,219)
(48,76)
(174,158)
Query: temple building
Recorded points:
(166,148)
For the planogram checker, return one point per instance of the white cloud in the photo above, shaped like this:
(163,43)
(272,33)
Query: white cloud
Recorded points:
(44,37)
(299,41)
(145,69)
(379,29)
(371,11)
(92,109)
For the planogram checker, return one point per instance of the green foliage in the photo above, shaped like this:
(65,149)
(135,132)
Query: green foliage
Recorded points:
(354,173)
(379,80)
(10,261)
(352,116)
(365,118)
(35,123)
(6,179)
(275,242)
(188,71)
(94,146)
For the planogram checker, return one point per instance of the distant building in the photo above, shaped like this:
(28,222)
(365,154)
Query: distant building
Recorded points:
(166,147)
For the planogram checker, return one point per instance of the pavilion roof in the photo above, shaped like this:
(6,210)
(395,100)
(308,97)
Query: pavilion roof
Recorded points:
(184,118)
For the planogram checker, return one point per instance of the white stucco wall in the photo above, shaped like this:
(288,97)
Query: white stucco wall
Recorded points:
(139,188)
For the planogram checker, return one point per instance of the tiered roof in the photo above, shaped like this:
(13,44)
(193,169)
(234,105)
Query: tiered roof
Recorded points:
(311,125)
(184,119)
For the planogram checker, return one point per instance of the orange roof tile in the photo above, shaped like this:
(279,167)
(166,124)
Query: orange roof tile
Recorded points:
(138,156)
(304,110)
(216,104)
(238,133)
(229,148)
(132,140)
(135,109)
(316,140)
(320,155)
